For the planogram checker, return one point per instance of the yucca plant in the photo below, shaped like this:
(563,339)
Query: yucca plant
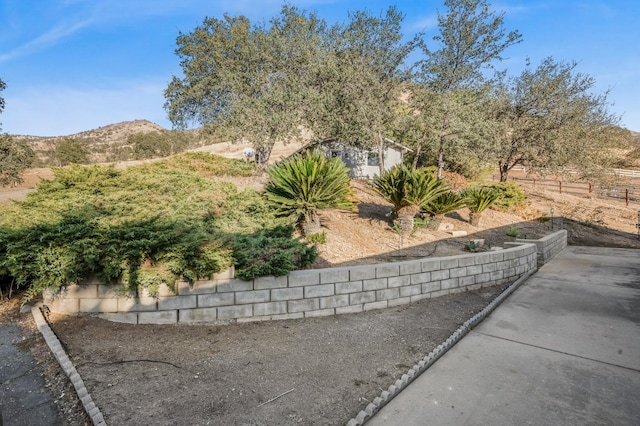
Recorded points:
(301,185)
(478,200)
(444,203)
(407,190)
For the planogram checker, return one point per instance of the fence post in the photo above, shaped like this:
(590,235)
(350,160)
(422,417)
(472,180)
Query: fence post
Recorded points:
(626,196)
(560,182)
(589,188)
(534,184)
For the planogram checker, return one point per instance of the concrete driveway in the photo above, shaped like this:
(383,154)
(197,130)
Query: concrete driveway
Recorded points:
(563,349)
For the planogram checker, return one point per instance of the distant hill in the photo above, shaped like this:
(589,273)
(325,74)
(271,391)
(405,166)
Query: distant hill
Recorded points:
(105,144)
(109,134)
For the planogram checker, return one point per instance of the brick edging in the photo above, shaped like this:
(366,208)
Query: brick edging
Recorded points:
(67,366)
(422,366)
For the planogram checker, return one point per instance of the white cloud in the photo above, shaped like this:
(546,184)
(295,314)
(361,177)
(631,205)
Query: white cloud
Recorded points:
(59,111)
(47,39)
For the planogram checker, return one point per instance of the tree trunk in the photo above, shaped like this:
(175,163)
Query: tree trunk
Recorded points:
(504,172)
(416,157)
(405,220)
(262,156)
(380,153)
(443,137)
(474,218)
(312,226)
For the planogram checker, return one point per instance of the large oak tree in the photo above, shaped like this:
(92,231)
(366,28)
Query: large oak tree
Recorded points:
(246,81)
(548,119)
(471,38)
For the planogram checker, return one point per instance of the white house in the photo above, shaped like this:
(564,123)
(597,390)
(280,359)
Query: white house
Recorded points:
(362,163)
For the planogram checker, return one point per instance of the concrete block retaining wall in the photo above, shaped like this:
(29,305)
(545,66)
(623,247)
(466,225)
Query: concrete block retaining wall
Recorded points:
(547,247)
(306,293)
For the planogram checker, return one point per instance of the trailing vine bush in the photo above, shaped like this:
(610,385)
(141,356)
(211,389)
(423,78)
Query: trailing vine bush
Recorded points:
(142,226)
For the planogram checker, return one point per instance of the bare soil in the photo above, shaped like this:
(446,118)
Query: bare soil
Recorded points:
(316,371)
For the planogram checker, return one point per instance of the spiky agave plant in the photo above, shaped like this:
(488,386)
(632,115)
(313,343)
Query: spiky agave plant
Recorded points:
(407,190)
(301,185)
(478,200)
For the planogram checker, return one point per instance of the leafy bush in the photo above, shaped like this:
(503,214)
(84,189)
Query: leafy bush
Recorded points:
(510,195)
(271,252)
(141,226)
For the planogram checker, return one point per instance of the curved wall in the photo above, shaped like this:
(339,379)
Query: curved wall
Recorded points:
(307,293)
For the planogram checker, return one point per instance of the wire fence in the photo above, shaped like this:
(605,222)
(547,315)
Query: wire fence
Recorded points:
(629,192)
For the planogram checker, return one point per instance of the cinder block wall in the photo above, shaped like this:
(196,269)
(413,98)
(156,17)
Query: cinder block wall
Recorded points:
(306,293)
(548,246)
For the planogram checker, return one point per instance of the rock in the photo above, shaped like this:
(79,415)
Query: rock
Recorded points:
(457,234)
(444,226)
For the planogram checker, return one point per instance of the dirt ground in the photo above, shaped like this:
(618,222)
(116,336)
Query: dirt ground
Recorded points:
(317,371)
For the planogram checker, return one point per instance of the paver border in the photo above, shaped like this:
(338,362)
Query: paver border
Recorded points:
(394,390)
(67,366)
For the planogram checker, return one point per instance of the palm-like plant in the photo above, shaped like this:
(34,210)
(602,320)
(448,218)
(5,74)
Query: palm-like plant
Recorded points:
(444,203)
(478,200)
(407,190)
(302,185)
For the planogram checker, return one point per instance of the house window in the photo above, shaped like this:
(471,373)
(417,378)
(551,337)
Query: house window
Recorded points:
(336,153)
(372,159)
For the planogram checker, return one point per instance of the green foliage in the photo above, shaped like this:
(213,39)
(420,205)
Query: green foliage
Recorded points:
(548,118)
(479,199)
(301,185)
(15,157)
(472,246)
(404,187)
(513,232)
(159,144)
(141,226)
(3,86)
(407,190)
(271,252)
(471,38)
(210,165)
(320,238)
(247,81)
(71,151)
(510,195)
(444,203)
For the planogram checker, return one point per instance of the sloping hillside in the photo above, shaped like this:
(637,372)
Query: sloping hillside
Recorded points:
(102,142)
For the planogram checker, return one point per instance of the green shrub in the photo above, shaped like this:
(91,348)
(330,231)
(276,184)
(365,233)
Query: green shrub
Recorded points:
(210,165)
(510,195)
(271,252)
(141,226)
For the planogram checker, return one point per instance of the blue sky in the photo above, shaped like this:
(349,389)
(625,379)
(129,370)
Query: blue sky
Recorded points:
(75,65)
